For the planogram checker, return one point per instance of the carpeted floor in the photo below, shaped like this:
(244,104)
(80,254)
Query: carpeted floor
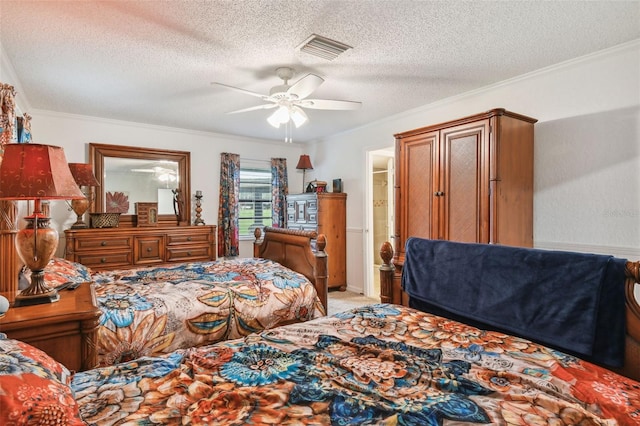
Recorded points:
(343,300)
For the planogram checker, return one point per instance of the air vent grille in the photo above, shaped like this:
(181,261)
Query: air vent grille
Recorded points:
(323,47)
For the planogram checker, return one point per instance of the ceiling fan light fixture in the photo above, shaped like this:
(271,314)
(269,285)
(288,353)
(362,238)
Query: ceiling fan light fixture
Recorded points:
(298,116)
(323,47)
(280,116)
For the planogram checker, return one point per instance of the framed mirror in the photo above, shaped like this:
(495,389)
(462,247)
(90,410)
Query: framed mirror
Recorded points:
(130,175)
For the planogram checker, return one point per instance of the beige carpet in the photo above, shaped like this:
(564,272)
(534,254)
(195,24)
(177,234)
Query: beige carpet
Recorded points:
(343,300)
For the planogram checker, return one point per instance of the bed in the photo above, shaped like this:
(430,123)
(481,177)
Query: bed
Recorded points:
(378,364)
(158,309)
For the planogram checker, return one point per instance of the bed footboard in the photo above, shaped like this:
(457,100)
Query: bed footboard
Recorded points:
(632,344)
(391,292)
(294,249)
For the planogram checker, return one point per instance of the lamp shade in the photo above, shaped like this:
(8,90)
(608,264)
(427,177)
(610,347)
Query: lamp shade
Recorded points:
(36,172)
(304,163)
(83,174)
(298,116)
(280,116)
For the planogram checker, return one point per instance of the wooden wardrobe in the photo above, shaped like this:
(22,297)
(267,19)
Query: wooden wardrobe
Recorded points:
(467,180)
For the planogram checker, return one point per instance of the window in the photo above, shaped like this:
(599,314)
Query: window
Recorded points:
(255,198)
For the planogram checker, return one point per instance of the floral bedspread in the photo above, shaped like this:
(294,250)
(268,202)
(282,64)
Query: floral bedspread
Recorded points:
(380,364)
(154,310)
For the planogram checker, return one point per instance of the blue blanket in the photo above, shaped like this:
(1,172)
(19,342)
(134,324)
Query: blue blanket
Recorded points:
(573,302)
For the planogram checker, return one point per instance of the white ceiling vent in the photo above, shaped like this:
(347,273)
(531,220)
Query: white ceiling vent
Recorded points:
(323,47)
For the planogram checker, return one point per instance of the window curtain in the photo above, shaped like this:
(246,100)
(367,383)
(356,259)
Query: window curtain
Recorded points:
(279,191)
(7,115)
(228,210)
(8,209)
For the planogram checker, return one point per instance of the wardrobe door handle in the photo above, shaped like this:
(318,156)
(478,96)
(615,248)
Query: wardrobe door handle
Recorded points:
(438,193)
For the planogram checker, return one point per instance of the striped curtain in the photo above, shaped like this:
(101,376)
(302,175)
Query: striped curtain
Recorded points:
(228,211)
(279,191)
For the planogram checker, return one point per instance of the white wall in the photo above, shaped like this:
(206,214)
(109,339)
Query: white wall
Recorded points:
(587,153)
(74,133)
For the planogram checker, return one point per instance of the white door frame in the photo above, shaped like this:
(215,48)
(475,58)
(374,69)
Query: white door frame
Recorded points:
(369,250)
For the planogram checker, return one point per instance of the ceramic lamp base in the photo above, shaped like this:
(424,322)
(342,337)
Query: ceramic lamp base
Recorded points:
(35,245)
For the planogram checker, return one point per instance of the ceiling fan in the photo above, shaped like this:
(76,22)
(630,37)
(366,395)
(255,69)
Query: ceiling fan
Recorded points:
(290,100)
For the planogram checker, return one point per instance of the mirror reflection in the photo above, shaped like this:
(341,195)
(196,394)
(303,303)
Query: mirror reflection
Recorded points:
(128,175)
(154,181)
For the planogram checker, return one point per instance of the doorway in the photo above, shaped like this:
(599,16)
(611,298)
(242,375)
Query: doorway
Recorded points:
(379,212)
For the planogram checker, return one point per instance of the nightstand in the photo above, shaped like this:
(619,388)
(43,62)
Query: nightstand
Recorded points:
(65,330)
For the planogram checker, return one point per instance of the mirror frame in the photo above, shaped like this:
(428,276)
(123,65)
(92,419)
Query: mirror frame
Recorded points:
(97,154)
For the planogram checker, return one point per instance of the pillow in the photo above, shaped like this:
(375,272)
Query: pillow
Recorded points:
(60,271)
(34,388)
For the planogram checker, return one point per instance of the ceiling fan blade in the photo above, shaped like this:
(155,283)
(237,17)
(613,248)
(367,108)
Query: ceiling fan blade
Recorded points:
(305,86)
(329,104)
(237,89)
(254,108)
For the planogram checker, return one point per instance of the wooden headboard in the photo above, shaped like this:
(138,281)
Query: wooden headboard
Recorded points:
(391,292)
(293,249)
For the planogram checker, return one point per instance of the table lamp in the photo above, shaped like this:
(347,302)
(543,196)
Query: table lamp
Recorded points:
(36,172)
(304,164)
(83,175)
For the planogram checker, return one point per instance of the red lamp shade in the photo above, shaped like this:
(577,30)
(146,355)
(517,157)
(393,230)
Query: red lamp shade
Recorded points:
(304,163)
(36,172)
(83,174)
(32,171)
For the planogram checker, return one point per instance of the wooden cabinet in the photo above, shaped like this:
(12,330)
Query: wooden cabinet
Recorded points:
(467,180)
(65,330)
(325,213)
(110,248)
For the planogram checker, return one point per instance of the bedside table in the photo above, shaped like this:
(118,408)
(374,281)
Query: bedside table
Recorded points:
(65,330)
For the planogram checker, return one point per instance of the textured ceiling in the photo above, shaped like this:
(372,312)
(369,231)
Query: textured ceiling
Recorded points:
(153,61)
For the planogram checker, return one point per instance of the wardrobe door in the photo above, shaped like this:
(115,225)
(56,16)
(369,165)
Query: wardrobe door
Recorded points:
(464,183)
(416,177)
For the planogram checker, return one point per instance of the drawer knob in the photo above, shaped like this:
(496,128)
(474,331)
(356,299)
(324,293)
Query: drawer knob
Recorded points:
(148,249)
(103,243)
(103,260)
(188,238)
(188,253)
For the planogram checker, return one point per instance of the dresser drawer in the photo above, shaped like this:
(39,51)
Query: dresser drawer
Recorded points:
(188,253)
(104,260)
(149,249)
(194,238)
(302,227)
(122,247)
(118,242)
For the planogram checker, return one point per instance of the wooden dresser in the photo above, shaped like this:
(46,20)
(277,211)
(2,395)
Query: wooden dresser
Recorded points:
(467,180)
(115,248)
(325,213)
(65,330)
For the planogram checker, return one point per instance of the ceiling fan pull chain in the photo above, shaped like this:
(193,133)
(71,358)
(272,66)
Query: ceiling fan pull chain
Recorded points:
(287,132)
